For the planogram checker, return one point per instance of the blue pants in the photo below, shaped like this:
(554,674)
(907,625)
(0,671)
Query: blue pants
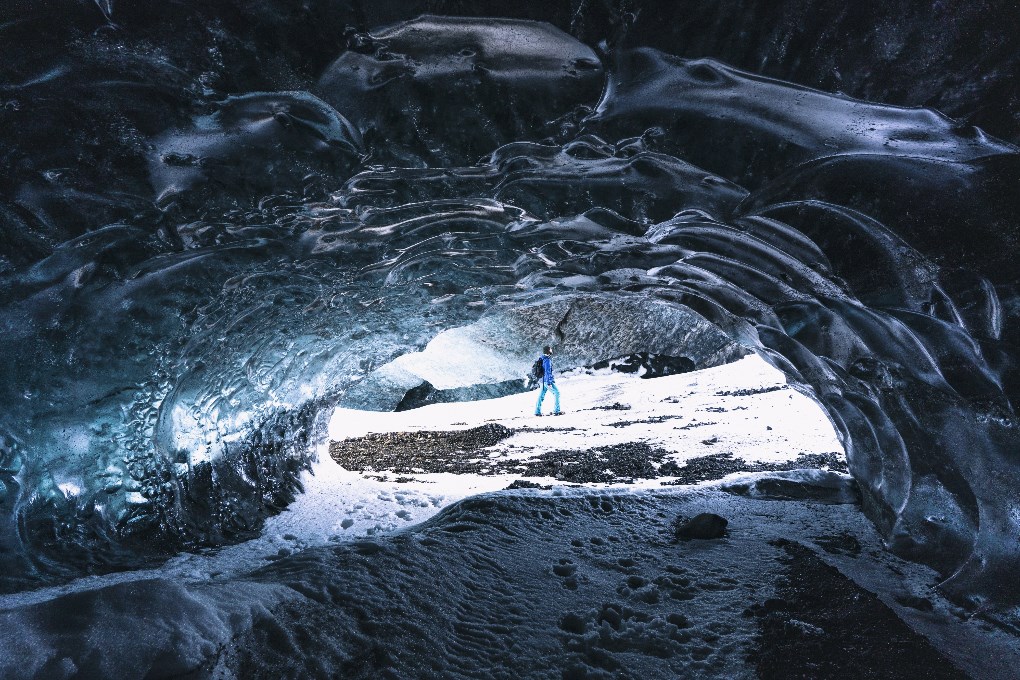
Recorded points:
(541,396)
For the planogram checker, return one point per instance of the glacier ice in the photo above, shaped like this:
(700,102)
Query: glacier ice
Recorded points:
(200,254)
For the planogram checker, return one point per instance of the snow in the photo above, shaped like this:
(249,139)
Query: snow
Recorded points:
(741,423)
(339,505)
(770,426)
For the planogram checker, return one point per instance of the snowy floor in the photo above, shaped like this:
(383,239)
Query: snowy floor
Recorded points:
(744,408)
(772,423)
(367,576)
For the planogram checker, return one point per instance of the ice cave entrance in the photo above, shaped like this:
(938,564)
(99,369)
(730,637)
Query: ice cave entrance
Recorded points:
(381,470)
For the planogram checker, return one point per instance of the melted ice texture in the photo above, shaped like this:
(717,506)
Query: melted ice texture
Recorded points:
(180,316)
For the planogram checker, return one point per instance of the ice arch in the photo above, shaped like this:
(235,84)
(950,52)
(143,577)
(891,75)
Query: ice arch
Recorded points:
(872,261)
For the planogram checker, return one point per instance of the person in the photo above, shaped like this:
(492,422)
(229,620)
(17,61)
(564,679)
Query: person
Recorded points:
(548,383)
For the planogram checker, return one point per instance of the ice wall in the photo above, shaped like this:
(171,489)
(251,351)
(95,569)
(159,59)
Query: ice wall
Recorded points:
(215,221)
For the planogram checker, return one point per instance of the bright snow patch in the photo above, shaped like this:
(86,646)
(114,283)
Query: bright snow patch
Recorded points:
(745,408)
(339,505)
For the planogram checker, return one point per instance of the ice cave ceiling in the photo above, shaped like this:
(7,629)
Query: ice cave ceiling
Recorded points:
(218,219)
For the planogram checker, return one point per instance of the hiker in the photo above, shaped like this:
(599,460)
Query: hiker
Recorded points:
(548,382)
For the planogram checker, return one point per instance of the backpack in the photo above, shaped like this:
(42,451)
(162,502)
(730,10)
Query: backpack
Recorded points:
(537,370)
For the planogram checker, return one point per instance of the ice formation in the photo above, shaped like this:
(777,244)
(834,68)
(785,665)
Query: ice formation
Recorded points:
(219,222)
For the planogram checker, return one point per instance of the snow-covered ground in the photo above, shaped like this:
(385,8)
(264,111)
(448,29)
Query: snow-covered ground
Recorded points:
(744,408)
(772,423)
(367,576)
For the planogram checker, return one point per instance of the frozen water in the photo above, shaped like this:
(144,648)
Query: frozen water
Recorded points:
(220,222)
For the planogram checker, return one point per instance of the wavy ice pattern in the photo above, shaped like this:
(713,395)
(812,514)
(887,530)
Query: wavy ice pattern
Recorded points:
(183,303)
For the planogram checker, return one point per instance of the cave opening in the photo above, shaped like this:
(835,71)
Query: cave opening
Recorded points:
(232,235)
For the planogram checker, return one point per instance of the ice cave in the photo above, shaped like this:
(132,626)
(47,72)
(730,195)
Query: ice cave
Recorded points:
(273,275)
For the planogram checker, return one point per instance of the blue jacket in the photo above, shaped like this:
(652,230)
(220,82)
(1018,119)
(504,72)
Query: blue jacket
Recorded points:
(548,378)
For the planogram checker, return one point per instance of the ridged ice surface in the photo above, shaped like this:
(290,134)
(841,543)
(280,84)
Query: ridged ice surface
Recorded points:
(217,245)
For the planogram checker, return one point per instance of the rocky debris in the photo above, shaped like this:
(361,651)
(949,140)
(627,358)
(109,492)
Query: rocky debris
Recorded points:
(749,392)
(631,460)
(615,406)
(717,466)
(648,365)
(525,484)
(416,452)
(691,426)
(706,525)
(644,421)
(832,461)
(457,451)
(823,625)
(551,429)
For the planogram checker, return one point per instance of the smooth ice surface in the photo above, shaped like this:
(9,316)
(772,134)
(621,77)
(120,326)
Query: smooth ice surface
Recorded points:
(766,120)
(409,82)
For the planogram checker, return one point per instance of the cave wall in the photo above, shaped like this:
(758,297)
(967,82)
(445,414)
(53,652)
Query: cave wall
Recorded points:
(173,303)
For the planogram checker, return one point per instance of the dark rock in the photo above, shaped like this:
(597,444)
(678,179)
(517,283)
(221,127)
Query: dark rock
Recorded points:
(703,526)
(426,394)
(523,484)
(648,365)
(615,406)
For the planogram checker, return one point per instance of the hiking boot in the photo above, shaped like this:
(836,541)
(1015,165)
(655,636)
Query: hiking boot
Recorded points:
(538,415)
(558,413)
